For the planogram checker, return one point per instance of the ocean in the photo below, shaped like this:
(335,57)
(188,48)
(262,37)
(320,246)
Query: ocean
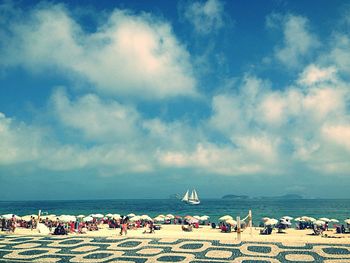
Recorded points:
(215,208)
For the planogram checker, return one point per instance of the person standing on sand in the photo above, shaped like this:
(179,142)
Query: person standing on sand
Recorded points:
(124,225)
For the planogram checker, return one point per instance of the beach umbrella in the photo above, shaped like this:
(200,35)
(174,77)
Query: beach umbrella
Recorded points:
(231,222)
(325,219)
(97,215)
(8,216)
(146,217)
(135,218)
(197,217)
(285,221)
(204,218)
(109,215)
(287,217)
(298,219)
(131,215)
(163,216)
(319,222)
(170,216)
(88,219)
(159,219)
(347,221)
(51,217)
(80,216)
(66,218)
(116,216)
(264,219)
(226,217)
(271,221)
(28,217)
(308,219)
(334,220)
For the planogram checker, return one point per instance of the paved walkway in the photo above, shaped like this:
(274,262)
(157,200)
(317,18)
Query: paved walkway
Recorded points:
(14,248)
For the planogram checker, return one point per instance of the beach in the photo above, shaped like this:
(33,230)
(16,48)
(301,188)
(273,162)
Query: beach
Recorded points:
(207,233)
(171,244)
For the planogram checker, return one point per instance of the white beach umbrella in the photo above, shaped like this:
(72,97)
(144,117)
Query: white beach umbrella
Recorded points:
(319,222)
(285,222)
(271,222)
(325,219)
(65,218)
(28,217)
(161,215)
(298,219)
(159,219)
(288,217)
(347,221)
(334,220)
(197,217)
(116,216)
(204,218)
(135,218)
(170,216)
(226,217)
(231,222)
(193,220)
(131,215)
(88,219)
(51,217)
(80,216)
(109,215)
(8,216)
(308,219)
(146,217)
(264,219)
(97,215)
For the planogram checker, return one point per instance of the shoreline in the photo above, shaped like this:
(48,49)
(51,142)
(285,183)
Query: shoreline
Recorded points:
(291,236)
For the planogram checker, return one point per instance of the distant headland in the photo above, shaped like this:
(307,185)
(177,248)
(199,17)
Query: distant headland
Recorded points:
(244,197)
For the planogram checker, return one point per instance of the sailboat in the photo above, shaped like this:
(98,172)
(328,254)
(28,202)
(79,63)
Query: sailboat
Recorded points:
(191,199)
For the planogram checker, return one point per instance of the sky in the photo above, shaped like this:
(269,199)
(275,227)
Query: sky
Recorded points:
(145,99)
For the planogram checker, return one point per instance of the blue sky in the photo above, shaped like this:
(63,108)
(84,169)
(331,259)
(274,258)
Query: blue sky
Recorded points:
(143,99)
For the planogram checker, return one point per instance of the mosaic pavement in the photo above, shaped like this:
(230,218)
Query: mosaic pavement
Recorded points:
(14,248)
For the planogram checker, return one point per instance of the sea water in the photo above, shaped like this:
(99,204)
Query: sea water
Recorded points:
(215,208)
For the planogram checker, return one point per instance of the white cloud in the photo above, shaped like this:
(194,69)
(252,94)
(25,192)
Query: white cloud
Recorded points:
(206,17)
(95,119)
(133,55)
(18,142)
(298,41)
(313,75)
(339,134)
(211,158)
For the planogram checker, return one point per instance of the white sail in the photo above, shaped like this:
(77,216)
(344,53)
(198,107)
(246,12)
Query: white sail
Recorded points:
(195,195)
(185,198)
(192,196)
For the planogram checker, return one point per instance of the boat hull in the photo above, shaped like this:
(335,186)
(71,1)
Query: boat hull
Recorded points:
(193,202)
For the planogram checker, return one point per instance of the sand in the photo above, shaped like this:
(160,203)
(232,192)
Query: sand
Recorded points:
(291,237)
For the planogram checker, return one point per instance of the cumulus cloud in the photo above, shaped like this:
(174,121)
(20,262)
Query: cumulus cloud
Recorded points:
(129,54)
(298,40)
(18,142)
(296,126)
(313,75)
(97,120)
(206,17)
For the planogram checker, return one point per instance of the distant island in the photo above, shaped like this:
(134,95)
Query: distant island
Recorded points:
(287,196)
(239,197)
(244,197)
